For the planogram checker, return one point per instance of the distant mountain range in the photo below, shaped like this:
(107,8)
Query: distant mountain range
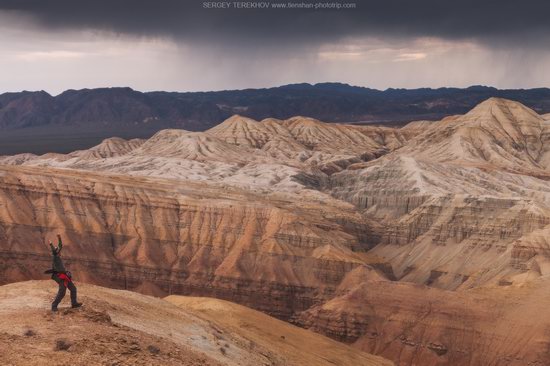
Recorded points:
(89,115)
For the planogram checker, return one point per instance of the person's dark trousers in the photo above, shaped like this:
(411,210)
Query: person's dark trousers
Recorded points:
(62,290)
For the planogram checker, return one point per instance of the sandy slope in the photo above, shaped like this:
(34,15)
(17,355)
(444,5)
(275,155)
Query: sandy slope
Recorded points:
(124,328)
(288,344)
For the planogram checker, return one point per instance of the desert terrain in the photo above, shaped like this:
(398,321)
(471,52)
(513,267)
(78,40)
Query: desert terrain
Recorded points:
(118,327)
(426,244)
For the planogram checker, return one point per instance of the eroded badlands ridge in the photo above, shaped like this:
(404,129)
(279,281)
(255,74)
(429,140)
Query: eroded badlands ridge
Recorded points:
(418,325)
(460,200)
(240,152)
(310,222)
(126,328)
(278,252)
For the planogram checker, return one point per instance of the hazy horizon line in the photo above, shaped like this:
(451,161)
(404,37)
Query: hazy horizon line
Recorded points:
(272,87)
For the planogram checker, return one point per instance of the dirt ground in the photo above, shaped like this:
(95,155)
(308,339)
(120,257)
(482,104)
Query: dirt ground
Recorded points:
(117,327)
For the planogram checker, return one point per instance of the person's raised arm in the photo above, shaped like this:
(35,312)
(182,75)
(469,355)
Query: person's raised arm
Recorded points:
(59,243)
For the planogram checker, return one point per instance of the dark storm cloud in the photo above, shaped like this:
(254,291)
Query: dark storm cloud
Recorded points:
(490,21)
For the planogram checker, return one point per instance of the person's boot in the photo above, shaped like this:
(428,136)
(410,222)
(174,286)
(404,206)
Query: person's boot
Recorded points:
(76,305)
(54,309)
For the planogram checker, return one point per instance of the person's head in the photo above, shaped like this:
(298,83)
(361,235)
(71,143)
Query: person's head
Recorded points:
(55,250)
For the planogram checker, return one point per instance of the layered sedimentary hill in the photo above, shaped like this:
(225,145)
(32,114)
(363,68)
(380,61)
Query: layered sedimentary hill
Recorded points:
(417,325)
(240,151)
(243,131)
(177,154)
(465,191)
(497,133)
(109,148)
(121,327)
(331,147)
(414,128)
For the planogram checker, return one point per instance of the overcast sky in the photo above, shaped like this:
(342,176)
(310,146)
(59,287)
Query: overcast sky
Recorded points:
(183,45)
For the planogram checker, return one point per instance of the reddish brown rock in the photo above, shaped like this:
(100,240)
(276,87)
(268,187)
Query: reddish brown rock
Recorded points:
(277,253)
(417,325)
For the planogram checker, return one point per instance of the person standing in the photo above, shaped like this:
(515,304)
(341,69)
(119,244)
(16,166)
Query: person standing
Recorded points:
(62,277)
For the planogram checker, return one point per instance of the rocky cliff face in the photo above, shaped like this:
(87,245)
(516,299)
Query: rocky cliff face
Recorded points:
(417,325)
(271,253)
